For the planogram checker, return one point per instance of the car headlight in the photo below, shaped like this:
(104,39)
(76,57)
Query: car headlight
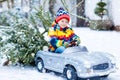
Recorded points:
(87,64)
(112,59)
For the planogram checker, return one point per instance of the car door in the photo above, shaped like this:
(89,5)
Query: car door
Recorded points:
(55,61)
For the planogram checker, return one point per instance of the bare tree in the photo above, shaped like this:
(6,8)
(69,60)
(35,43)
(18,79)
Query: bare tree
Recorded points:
(0,5)
(12,3)
(51,7)
(8,4)
(21,3)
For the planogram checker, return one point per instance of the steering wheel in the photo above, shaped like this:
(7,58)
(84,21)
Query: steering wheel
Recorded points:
(73,43)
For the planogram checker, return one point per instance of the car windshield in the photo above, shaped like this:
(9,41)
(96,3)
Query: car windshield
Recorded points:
(75,49)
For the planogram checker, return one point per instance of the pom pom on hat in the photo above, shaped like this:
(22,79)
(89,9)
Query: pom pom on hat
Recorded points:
(61,13)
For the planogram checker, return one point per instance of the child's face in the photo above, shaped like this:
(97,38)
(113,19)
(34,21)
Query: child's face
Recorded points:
(63,23)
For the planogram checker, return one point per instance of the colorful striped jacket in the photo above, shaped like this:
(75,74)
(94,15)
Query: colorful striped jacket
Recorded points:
(59,36)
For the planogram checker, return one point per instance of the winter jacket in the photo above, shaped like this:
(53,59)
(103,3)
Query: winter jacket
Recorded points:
(61,37)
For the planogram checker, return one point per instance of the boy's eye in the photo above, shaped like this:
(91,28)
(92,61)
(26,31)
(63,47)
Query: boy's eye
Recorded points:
(66,21)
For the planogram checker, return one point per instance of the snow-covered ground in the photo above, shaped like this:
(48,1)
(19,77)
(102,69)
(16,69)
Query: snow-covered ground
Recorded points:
(107,41)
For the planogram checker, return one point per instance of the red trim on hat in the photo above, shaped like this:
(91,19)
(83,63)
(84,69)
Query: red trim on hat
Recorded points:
(63,16)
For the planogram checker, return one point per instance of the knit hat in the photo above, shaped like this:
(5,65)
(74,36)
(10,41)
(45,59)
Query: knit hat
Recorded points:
(61,13)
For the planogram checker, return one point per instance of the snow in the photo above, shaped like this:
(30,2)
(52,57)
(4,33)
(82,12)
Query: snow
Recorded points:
(89,9)
(106,41)
(115,11)
(27,73)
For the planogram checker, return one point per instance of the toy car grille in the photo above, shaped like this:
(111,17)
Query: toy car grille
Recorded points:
(101,66)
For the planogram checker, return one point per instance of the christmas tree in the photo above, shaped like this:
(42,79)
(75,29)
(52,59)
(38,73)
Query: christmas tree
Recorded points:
(24,37)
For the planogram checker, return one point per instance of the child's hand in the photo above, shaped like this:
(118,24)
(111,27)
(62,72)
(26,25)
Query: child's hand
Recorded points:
(66,44)
(76,39)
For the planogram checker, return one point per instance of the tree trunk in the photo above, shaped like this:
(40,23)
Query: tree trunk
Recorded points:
(80,12)
(12,3)
(51,7)
(0,5)
(30,4)
(8,4)
(21,3)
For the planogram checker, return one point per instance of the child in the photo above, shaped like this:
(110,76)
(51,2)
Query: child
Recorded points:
(61,35)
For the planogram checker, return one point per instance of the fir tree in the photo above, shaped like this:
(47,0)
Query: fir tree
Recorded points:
(25,38)
(100,10)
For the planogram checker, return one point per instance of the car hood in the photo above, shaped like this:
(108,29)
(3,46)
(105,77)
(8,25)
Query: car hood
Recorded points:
(91,57)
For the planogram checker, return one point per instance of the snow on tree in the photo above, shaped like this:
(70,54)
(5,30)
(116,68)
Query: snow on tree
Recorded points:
(24,38)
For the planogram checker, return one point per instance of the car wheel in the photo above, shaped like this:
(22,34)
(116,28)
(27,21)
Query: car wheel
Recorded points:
(70,73)
(40,66)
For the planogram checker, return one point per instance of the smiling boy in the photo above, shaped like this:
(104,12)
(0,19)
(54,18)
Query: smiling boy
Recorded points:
(61,35)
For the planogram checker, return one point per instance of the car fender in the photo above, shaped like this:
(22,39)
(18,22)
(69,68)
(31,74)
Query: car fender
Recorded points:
(74,63)
(39,55)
